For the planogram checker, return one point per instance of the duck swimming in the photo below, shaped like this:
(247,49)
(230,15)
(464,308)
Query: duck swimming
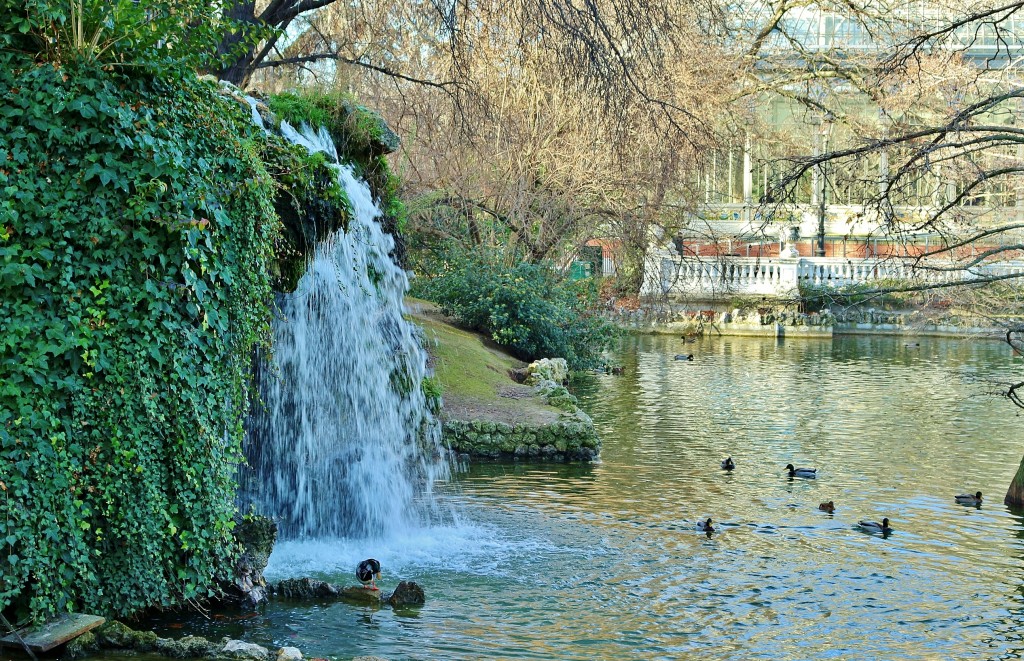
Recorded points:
(367,572)
(801,472)
(874,526)
(705,526)
(968,499)
(827,507)
(728,464)
(684,356)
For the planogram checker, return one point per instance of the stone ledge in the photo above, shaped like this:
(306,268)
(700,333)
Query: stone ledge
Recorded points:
(571,439)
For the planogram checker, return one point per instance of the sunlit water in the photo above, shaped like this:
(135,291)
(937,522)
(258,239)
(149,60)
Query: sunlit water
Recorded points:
(603,561)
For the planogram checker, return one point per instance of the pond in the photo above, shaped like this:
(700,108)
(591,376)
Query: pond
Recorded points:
(544,561)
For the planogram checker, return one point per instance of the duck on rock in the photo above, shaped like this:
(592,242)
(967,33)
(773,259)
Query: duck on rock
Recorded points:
(801,472)
(368,572)
(968,499)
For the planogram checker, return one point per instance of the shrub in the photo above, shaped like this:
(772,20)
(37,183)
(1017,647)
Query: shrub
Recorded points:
(528,308)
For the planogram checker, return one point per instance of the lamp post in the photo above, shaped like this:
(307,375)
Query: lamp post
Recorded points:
(826,129)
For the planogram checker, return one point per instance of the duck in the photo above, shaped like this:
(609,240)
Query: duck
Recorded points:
(829,507)
(968,499)
(728,464)
(691,338)
(705,526)
(368,572)
(911,345)
(684,356)
(801,472)
(874,526)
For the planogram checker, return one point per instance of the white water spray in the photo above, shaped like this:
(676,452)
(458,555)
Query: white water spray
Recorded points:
(344,445)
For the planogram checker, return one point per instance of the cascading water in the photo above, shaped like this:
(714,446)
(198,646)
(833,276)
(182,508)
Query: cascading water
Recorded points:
(343,445)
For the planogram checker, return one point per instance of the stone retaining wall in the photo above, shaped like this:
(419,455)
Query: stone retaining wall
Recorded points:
(572,439)
(780,320)
(769,320)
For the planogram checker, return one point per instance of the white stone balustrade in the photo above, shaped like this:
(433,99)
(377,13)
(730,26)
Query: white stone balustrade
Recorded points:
(711,278)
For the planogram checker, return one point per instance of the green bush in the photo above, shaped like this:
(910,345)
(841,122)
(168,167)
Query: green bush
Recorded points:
(528,308)
(136,226)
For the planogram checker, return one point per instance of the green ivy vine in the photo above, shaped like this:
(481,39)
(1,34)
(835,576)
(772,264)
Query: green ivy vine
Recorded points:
(137,223)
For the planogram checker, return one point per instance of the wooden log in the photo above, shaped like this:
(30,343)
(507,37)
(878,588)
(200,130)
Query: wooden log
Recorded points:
(53,633)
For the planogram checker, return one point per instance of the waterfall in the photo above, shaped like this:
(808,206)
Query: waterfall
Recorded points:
(343,444)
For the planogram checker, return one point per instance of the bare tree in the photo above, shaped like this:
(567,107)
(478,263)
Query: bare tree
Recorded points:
(608,47)
(536,156)
(942,138)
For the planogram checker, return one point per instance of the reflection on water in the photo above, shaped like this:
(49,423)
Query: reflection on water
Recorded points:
(603,561)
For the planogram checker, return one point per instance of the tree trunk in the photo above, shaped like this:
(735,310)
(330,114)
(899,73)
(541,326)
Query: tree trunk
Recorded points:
(1015,494)
(240,66)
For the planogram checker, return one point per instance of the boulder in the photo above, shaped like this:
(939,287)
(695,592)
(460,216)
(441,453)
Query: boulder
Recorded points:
(368,132)
(408,593)
(188,647)
(289,654)
(256,534)
(237,649)
(305,588)
(84,645)
(115,635)
(359,595)
(547,369)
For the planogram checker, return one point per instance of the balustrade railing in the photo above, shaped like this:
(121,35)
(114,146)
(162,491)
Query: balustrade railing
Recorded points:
(711,278)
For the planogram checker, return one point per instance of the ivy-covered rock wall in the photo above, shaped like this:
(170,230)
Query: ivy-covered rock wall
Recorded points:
(137,223)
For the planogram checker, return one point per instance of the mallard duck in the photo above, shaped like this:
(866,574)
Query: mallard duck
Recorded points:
(367,572)
(801,472)
(874,526)
(968,499)
(705,526)
(829,507)
(684,356)
(728,464)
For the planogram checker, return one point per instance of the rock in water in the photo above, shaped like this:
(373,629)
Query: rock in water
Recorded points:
(257,535)
(357,594)
(305,588)
(408,593)
(237,649)
(289,654)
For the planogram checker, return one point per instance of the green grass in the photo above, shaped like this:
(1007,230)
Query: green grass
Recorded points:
(463,364)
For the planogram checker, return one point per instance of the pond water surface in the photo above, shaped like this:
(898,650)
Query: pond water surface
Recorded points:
(544,561)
